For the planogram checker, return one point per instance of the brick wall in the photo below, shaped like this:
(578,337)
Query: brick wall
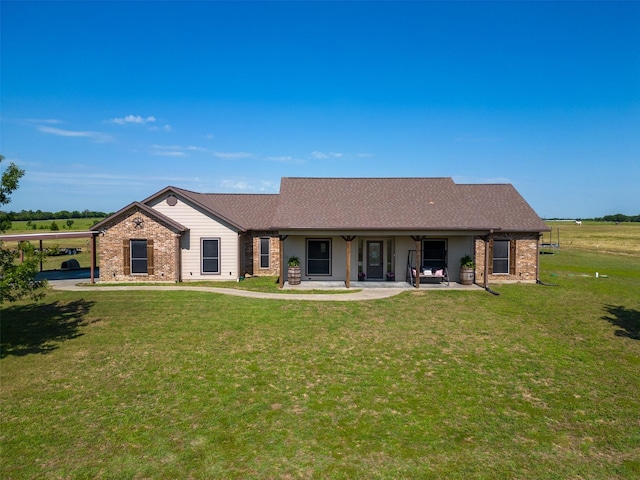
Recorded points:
(252,253)
(526,258)
(136,224)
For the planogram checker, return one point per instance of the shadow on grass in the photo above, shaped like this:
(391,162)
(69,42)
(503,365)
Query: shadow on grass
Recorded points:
(38,328)
(627,319)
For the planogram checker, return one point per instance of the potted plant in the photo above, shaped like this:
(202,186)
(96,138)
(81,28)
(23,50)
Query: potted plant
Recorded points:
(293,272)
(361,276)
(391,276)
(467,270)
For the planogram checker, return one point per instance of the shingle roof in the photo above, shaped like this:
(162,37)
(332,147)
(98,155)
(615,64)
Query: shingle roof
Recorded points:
(246,211)
(351,204)
(401,204)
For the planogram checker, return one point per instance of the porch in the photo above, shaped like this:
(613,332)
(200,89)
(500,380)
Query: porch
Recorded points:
(341,285)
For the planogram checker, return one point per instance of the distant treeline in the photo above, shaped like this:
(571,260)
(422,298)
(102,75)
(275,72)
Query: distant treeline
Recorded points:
(618,217)
(26,215)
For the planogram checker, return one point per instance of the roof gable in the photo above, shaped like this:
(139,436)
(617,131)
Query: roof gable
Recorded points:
(243,211)
(171,224)
(401,204)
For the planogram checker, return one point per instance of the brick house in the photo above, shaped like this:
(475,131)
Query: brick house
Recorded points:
(342,229)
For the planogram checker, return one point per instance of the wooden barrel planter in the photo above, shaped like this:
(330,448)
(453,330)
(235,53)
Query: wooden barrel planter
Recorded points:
(293,275)
(466,276)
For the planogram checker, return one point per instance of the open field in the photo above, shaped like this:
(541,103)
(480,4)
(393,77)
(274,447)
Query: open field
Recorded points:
(604,237)
(79,224)
(54,262)
(539,382)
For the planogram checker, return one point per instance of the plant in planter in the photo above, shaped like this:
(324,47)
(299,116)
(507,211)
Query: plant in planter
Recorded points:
(391,276)
(361,276)
(467,270)
(293,272)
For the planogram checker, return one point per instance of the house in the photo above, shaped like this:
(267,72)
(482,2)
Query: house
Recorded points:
(340,228)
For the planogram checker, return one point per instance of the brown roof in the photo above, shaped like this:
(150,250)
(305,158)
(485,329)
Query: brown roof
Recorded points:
(351,204)
(244,211)
(401,204)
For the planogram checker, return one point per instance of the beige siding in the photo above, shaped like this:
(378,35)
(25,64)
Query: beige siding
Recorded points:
(202,225)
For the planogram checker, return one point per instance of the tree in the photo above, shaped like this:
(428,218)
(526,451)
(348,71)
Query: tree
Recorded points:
(17,279)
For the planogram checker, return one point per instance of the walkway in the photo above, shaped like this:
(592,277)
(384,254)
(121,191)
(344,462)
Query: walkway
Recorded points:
(358,292)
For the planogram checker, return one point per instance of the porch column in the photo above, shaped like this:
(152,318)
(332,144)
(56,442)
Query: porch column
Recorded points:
(281,260)
(178,259)
(487,238)
(348,239)
(93,258)
(418,240)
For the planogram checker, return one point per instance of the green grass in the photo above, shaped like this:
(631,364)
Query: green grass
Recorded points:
(267,284)
(79,224)
(539,382)
(55,262)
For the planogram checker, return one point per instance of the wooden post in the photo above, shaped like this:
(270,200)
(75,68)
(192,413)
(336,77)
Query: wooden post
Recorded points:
(486,260)
(348,239)
(93,259)
(281,260)
(348,280)
(418,262)
(40,255)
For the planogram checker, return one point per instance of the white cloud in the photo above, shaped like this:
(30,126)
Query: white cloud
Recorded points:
(365,155)
(232,155)
(163,153)
(97,136)
(137,119)
(50,121)
(168,151)
(321,155)
(247,185)
(285,159)
(179,150)
(166,128)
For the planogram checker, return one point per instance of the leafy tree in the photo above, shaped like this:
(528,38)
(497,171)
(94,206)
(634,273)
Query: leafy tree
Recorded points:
(17,279)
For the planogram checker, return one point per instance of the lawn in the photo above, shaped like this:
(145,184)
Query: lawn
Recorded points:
(538,382)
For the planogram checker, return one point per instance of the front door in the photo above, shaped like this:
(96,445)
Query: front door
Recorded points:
(375,268)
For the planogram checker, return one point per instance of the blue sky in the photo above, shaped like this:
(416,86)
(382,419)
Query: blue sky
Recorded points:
(104,103)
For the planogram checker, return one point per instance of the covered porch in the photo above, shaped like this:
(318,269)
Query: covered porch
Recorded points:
(374,259)
(366,285)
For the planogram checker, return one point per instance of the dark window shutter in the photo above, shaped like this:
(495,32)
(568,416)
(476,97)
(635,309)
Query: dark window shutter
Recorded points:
(126,257)
(512,257)
(150,257)
(490,257)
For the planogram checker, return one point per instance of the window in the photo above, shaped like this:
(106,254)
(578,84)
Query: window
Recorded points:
(264,252)
(318,257)
(210,255)
(139,257)
(434,253)
(501,256)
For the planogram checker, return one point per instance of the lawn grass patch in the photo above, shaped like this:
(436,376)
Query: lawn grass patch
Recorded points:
(539,382)
(266,284)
